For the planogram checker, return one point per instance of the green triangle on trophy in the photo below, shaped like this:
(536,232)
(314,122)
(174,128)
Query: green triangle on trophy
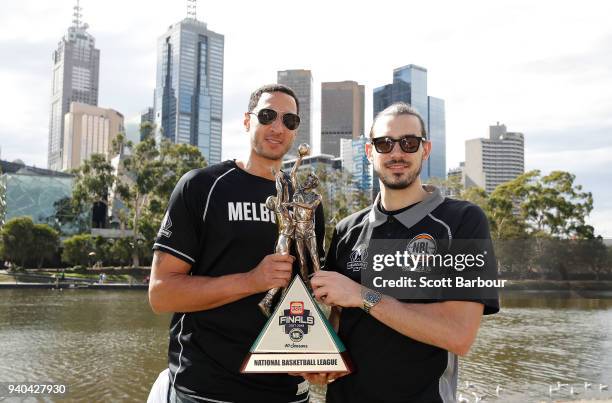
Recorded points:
(297,338)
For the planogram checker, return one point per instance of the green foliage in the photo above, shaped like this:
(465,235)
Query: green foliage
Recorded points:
(76,250)
(148,176)
(93,181)
(46,243)
(18,240)
(340,199)
(121,250)
(102,248)
(69,214)
(532,205)
(143,182)
(26,243)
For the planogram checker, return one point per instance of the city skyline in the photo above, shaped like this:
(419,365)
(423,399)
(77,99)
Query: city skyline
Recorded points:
(482,66)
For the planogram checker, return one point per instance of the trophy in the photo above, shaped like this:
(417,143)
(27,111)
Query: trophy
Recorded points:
(297,336)
(297,223)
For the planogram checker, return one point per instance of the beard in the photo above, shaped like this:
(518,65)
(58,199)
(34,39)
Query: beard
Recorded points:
(398,182)
(260,149)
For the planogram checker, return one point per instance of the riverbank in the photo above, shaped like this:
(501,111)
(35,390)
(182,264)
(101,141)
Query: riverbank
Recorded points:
(106,279)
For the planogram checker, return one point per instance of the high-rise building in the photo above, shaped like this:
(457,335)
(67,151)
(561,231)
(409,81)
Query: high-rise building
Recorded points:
(436,163)
(410,86)
(146,116)
(342,114)
(300,81)
(89,130)
(189,87)
(355,162)
(76,69)
(496,160)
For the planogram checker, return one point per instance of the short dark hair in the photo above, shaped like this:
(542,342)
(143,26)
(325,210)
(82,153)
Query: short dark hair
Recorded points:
(270,88)
(397,109)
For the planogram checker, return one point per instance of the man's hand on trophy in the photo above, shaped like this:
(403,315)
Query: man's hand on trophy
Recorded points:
(273,271)
(334,289)
(320,378)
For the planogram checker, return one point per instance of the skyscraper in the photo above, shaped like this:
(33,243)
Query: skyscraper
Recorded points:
(342,110)
(76,70)
(300,81)
(88,130)
(436,164)
(146,116)
(355,162)
(493,161)
(189,86)
(410,86)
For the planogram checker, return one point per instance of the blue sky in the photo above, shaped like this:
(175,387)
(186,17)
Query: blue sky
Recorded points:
(542,68)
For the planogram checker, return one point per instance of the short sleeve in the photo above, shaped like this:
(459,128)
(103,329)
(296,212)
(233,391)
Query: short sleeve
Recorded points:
(178,234)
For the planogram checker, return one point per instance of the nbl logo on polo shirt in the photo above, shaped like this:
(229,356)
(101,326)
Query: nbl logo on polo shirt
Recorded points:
(422,244)
(296,320)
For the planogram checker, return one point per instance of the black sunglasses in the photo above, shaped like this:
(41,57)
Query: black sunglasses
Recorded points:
(267,116)
(408,144)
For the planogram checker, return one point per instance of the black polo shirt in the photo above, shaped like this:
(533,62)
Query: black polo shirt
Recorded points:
(217,222)
(392,367)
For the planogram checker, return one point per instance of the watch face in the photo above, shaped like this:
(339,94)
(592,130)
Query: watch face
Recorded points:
(372,297)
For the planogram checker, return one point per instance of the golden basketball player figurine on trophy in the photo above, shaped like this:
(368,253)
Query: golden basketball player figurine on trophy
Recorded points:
(305,202)
(286,228)
(297,223)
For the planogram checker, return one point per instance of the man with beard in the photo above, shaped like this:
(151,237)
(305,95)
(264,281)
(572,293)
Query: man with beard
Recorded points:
(404,350)
(214,261)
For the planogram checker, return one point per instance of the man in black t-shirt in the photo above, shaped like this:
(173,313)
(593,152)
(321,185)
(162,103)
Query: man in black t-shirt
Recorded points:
(214,261)
(404,349)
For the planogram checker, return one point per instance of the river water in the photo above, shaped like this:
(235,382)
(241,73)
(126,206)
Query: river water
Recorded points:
(108,346)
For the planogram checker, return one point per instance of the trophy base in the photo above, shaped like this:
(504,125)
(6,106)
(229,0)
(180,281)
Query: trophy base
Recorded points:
(298,362)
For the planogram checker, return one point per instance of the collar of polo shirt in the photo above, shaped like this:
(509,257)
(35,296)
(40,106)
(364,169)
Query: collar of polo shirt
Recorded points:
(414,214)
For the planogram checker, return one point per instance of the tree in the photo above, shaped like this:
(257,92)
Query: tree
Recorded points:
(68,214)
(26,243)
(148,174)
(121,250)
(18,240)
(76,250)
(45,242)
(93,182)
(555,206)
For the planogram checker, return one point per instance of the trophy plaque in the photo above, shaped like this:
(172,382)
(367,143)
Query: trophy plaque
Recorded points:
(297,338)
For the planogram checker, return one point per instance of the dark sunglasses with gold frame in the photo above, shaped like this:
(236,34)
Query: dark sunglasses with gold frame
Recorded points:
(267,116)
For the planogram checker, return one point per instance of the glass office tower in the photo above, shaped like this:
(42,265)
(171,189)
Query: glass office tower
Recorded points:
(189,87)
(437,134)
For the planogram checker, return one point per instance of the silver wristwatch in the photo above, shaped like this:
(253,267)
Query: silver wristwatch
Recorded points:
(370,298)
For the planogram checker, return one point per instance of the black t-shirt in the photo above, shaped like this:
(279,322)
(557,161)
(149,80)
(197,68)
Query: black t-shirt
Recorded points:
(392,367)
(217,221)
